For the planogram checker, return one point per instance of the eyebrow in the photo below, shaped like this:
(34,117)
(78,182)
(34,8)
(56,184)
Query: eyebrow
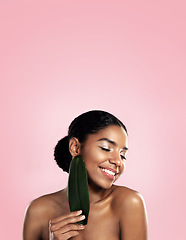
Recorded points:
(110,141)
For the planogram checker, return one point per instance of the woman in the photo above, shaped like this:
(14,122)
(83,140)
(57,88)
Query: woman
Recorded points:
(116,212)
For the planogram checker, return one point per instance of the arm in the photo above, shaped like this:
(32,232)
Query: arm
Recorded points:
(37,221)
(133,218)
(32,224)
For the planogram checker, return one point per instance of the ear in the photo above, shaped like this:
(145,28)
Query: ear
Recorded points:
(74,146)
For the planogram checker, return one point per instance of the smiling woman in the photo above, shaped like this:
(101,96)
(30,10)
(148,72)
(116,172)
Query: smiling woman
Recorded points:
(104,156)
(116,212)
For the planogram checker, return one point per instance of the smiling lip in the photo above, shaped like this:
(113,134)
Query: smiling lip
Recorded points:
(114,171)
(107,174)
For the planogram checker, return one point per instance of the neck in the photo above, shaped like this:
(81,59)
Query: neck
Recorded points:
(97,194)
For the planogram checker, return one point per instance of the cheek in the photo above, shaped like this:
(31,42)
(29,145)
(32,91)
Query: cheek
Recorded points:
(93,155)
(90,159)
(123,166)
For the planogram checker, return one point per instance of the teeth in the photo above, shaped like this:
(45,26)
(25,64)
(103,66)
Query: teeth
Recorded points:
(108,171)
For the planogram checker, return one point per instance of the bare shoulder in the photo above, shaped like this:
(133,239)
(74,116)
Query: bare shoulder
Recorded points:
(127,197)
(38,214)
(130,208)
(47,202)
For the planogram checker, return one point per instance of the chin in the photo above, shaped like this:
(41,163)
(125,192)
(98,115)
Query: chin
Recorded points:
(100,184)
(108,187)
(105,185)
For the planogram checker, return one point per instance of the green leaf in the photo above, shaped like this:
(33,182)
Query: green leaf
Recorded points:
(78,193)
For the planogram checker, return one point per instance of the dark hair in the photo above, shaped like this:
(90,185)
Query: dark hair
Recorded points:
(83,125)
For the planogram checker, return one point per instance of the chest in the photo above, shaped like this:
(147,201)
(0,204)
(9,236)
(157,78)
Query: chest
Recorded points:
(102,225)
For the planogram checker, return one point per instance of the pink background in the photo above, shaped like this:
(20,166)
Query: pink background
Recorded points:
(61,58)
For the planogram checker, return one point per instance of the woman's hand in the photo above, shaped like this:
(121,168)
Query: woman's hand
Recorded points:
(65,227)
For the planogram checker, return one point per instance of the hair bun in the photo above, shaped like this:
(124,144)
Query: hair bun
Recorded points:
(62,154)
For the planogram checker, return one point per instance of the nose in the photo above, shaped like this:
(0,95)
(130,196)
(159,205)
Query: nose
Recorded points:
(116,159)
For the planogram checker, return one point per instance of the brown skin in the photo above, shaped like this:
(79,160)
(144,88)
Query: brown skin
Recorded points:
(116,213)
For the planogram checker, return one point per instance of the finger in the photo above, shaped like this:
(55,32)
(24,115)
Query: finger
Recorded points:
(70,234)
(71,214)
(71,227)
(65,222)
(65,236)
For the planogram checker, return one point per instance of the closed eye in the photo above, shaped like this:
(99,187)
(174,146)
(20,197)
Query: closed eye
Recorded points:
(108,150)
(123,157)
(105,149)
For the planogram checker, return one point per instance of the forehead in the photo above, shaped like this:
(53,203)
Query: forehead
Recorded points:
(114,133)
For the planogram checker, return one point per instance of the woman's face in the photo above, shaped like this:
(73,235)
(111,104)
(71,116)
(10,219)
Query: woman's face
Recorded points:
(104,154)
